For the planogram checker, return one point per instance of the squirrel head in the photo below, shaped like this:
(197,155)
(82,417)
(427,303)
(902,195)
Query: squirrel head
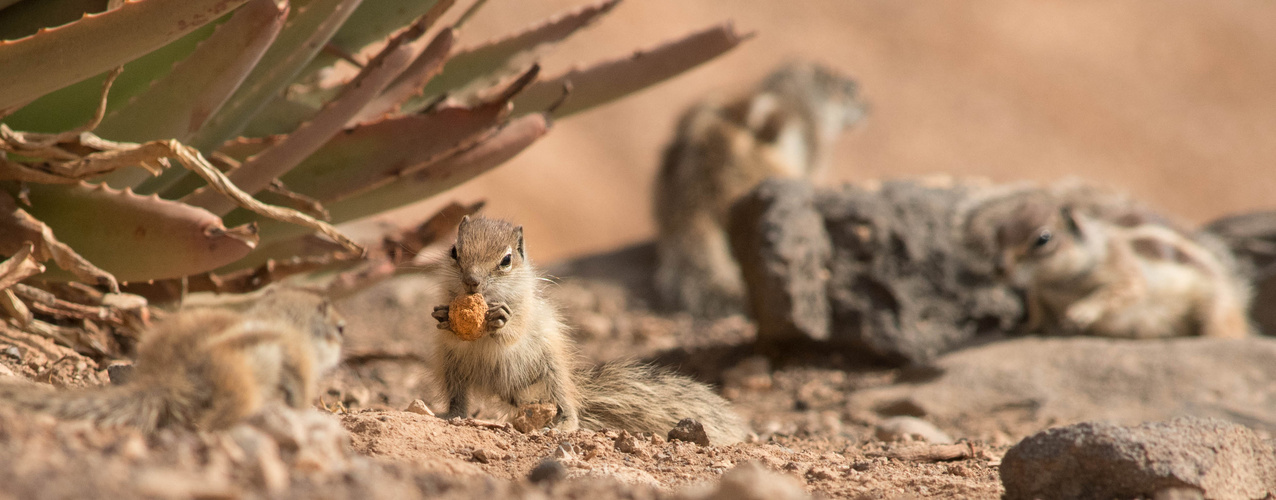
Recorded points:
(1035,233)
(312,313)
(488,252)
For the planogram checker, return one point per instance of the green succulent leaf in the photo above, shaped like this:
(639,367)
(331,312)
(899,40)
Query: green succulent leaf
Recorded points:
(26,19)
(257,173)
(138,238)
(422,182)
(281,241)
(375,154)
(309,27)
(177,105)
(74,105)
(489,58)
(408,85)
(36,65)
(375,20)
(606,81)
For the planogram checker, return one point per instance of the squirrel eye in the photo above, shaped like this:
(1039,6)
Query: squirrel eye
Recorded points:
(453,252)
(506,261)
(1043,238)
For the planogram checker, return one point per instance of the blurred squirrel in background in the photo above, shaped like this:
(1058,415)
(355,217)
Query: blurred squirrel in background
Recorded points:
(786,127)
(1115,270)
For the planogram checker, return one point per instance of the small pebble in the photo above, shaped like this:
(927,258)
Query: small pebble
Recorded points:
(418,407)
(689,430)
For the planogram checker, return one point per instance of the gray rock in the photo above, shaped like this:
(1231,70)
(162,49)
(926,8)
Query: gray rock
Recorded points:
(779,240)
(903,284)
(1056,381)
(1096,460)
(689,430)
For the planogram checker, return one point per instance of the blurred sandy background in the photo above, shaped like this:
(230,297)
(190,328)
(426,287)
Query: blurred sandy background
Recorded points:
(1174,101)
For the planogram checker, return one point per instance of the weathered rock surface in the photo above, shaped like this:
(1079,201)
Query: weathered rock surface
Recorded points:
(778,238)
(881,272)
(1095,460)
(1053,381)
(902,285)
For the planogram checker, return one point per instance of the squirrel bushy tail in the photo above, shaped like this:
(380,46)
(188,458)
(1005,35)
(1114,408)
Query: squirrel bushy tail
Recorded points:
(643,398)
(123,405)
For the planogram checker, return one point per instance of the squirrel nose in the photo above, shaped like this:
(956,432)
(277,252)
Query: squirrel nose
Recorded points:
(471,282)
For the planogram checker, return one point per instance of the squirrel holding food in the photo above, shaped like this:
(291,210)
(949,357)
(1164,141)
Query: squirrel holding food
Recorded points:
(504,337)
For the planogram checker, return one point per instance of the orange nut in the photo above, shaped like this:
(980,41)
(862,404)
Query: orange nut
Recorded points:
(468,316)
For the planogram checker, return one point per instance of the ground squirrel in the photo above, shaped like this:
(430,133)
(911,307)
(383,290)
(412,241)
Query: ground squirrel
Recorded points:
(785,127)
(526,354)
(209,367)
(1083,274)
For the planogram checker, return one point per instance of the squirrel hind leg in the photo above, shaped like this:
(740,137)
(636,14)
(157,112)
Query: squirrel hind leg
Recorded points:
(697,273)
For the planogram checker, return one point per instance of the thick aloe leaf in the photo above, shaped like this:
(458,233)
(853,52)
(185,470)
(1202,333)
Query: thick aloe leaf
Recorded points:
(487,58)
(377,153)
(26,19)
(372,22)
(408,85)
(256,173)
(74,105)
(36,65)
(309,27)
(179,104)
(375,20)
(287,112)
(421,183)
(138,238)
(373,155)
(18,229)
(606,81)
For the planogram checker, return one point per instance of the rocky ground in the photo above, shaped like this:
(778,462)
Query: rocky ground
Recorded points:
(824,423)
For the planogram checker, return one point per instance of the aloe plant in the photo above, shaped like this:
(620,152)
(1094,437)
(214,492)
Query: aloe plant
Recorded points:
(193,140)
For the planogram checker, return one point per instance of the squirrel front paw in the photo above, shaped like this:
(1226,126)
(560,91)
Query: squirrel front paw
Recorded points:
(441,314)
(498,314)
(1084,315)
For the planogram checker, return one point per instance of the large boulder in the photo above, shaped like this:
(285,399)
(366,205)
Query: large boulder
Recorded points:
(1209,457)
(882,271)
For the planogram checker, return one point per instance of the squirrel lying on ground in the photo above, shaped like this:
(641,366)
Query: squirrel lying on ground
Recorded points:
(209,367)
(525,354)
(784,128)
(1083,274)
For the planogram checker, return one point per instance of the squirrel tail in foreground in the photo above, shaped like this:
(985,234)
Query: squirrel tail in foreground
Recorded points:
(127,405)
(643,398)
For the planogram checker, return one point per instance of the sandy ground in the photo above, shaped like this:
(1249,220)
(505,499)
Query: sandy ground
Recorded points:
(1174,101)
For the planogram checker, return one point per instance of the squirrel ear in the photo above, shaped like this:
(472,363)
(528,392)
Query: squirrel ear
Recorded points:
(464,219)
(522,252)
